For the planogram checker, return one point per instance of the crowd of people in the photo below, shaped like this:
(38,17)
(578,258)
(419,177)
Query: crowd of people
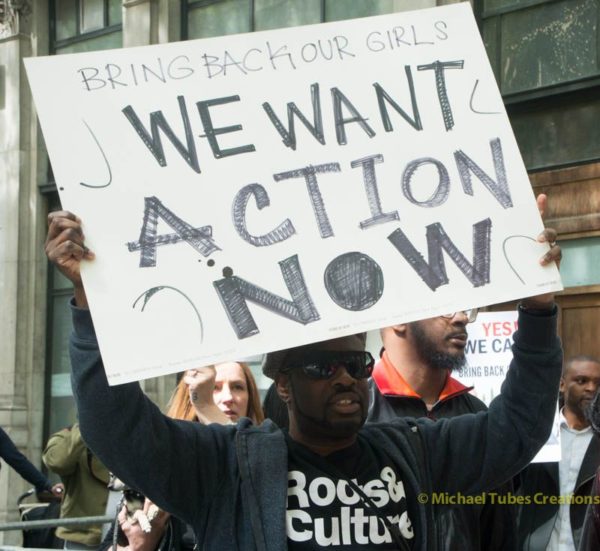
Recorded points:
(344,452)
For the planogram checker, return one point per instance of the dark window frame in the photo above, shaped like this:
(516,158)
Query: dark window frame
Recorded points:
(79,36)
(48,191)
(557,89)
(543,97)
(189,5)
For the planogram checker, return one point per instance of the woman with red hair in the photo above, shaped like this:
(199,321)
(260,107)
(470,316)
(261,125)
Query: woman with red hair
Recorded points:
(217,394)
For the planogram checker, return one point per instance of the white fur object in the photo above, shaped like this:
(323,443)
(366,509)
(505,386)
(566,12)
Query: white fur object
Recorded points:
(145,518)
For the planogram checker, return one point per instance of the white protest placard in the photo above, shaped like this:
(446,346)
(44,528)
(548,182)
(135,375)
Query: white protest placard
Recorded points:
(254,192)
(489,354)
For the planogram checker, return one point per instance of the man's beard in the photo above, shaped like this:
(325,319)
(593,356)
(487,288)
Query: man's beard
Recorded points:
(592,413)
(429,353)
(318,424)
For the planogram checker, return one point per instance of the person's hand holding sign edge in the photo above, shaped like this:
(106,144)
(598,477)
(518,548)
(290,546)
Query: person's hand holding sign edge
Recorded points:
(549,235)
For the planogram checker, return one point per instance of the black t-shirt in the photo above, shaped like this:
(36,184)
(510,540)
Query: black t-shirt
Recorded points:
(323,509)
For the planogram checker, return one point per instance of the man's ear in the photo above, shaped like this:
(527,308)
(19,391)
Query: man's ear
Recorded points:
(282,384)
(561,387)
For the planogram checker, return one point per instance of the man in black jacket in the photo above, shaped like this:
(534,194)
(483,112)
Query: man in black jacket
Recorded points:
(330,480)
(546,524)
(413,379)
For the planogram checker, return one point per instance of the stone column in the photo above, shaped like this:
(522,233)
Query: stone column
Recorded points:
(22,262)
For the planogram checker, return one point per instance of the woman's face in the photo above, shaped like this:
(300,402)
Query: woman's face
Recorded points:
(231,391)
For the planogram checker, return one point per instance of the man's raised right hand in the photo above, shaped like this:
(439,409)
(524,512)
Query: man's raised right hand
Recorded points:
(66,249)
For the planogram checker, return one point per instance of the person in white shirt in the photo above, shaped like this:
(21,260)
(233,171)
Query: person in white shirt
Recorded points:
(552,517)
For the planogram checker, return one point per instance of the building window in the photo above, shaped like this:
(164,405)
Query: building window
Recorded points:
(75,26)
(61,406)
(546,59)
(85,25)
(206,18)
(581,265)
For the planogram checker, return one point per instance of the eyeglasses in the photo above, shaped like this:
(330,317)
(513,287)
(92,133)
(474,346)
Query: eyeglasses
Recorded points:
(471,314)
(324,364)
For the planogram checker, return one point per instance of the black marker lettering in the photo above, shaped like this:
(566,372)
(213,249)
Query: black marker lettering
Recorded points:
(199,238)
(183,70)
(354,281)
(289,134)
(441,27)
(341,42)
(440,83)
(399,32)
(228,61)
(374,43)
(443,188)
(328,55)
(383,97)
(135,80)
(416,41)
(433,273)
(281,52)
(211,132)
(112,77)
(280,233)
(309,52)
(234,292)
(370,181)
(153,141)
(340,122)
(499,187)
(209,63)
(87,78)
(160,75)
(247,66)
(310,176)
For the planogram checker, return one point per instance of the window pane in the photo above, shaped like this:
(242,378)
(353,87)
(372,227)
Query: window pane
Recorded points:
(61,328)
(549,44)
(63,413)
(228,17)
(66,19)
(581,264)
(92,15)
(562,133)
(348,9)
(274,14)
(115,12)
(59,281)
(498,4)
(104,42)
(62,405)
(510,4)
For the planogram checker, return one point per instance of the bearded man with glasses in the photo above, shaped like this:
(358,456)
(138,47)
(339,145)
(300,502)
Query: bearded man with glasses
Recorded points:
(331,480)
(414,379)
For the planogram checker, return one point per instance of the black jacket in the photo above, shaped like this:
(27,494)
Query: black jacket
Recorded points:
(535,521)
(10,454)
(486,527)
(590,534)
(230,482)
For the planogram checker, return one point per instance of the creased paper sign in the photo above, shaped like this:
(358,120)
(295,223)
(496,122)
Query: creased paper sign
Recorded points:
(254,192)
(489,354)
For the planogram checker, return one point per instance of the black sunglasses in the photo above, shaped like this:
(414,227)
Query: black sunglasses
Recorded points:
(324,364)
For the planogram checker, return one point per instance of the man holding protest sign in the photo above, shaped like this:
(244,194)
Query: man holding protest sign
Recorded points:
(330,481)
